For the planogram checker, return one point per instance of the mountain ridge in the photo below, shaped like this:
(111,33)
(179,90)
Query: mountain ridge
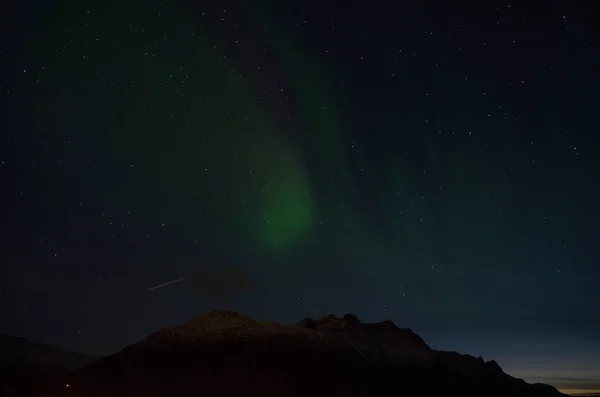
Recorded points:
(224,353)
(16,350)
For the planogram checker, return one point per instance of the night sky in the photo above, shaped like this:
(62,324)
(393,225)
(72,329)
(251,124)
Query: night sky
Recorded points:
(426,161)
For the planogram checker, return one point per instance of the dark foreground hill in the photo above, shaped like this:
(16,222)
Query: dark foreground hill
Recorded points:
(223,353)
(28,368)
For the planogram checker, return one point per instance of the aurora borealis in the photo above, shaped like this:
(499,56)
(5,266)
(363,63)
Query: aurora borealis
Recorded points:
(422,162)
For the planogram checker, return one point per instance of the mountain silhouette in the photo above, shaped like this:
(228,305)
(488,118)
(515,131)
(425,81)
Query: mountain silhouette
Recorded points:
(17,351)
(28,368)
(223,353)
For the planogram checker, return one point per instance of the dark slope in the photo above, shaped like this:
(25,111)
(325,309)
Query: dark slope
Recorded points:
(24,352)
(27,368)
(225,354)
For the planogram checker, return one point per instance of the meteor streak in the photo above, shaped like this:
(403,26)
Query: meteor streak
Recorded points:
(167,283)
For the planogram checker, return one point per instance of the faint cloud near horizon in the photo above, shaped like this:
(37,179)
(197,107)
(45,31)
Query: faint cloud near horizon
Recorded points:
(220,284)
(570,384)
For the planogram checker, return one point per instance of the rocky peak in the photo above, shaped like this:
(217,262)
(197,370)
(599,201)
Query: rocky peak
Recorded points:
(211,325)
(494,367)
(350,325)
